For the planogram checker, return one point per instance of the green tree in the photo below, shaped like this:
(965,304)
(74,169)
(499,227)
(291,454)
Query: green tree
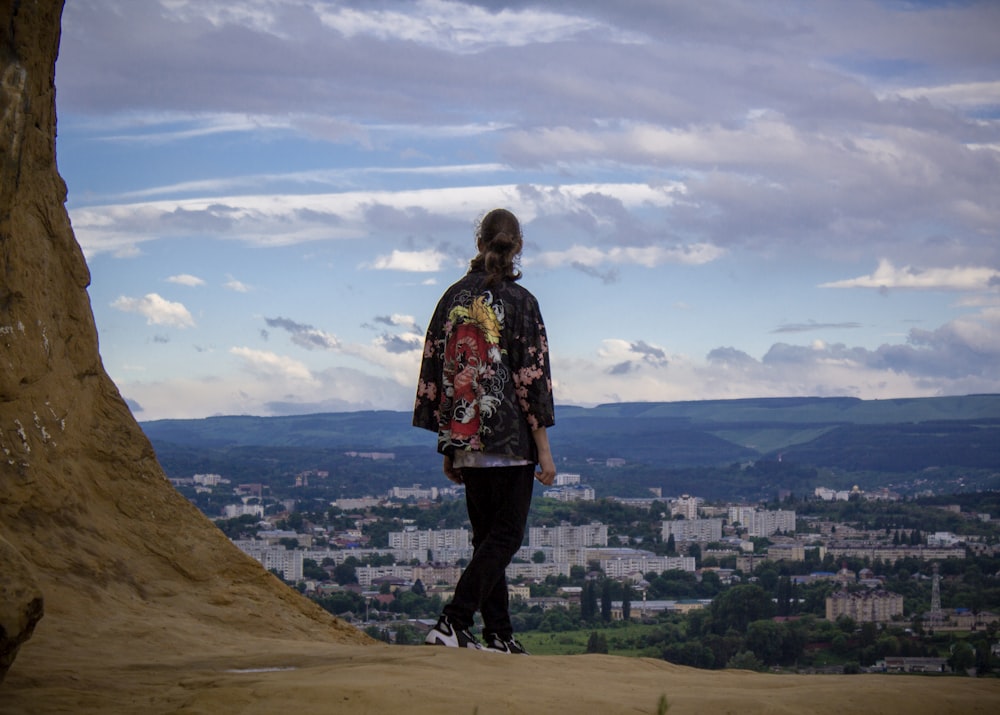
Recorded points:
(764,639)
(606,600)
(963,657)
(738,607)
(588,602)
(597,643)
(312,570)
(746,660)
(626,602)
(345,573)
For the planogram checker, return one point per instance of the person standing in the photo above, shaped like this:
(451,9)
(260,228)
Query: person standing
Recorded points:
(485,388)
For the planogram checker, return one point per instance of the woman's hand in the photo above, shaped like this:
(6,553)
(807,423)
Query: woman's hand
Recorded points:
(546,473)
(451,472)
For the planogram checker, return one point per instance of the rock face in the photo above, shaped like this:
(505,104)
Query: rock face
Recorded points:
(20,604)
(88,515)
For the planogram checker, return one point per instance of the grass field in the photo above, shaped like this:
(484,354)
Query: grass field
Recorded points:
(622,640)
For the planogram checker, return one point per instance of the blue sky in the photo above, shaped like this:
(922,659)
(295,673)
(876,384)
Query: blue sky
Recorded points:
(720,199)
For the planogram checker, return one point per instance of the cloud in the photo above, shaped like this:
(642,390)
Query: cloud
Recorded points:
(589,257)
(405,343)
(813,325)
(156,310)
(271,392)
(398,320)
(959,278)
(622,357)
(426,261)
(186,279)
(267,365)
(968,95)
(237,286)
(305,336)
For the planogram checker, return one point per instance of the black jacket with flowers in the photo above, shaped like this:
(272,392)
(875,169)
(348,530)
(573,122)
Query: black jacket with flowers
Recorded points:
(485,382)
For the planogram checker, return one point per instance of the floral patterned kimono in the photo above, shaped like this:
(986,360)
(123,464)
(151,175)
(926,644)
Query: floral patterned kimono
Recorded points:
(485,383)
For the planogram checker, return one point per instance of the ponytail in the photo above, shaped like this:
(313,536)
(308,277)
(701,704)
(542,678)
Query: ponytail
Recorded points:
(499,241)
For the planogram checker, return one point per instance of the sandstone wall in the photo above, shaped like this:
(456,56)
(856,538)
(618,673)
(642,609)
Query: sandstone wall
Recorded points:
(83,502)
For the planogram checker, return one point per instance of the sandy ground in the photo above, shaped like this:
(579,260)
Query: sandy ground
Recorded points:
(127,667)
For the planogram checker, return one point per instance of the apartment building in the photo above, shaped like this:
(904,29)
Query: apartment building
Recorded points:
(568,536)
(687,506)
(864,606)
(428,539)
(693,530)
(623,566)
(761,522)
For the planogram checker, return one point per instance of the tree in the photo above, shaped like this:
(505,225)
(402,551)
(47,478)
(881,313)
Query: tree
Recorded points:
(746,660)
(312,570)
(626,602)
(344,574)
(538,557)
(606,600)
(671,546)
(418,588)
(588,603)
(963,657)
(740,606)
(783,596)
(597,643)
(764,639)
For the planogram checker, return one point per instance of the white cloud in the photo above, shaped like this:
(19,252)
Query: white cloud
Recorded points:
(427,261)
(156,310)
(287,219)
(186,279)
(305,336)
(968,95)
(266,364)
(646,256)
(460,27)
(958,278)
(237,286)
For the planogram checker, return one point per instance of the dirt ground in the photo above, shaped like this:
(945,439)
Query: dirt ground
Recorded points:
(171,664)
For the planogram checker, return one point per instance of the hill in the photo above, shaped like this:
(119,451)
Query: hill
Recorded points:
(146,608)
(695,447)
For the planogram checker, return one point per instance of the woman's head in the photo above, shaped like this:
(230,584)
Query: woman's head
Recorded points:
(499,241)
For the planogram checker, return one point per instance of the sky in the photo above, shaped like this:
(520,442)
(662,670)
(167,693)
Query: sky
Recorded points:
(719,198)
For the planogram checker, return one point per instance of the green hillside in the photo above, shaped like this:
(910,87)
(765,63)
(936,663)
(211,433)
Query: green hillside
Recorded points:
(675,444)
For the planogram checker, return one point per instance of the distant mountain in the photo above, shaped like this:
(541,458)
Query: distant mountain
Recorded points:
(839,432)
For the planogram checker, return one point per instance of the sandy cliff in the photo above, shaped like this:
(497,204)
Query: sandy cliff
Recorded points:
(149,609)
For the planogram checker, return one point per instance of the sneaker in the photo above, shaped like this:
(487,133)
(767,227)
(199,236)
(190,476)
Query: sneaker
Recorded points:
(446,634)
(504,645)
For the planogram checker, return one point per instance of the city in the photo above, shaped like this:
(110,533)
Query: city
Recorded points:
(842,581)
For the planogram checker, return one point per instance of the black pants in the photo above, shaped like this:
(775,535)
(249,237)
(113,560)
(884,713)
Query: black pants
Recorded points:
(498,499)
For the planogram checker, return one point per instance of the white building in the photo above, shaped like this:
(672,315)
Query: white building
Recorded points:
(687,506)
(537,571)
(361,503)
(413,538)
(275,558)
(693,530)
(414,492)
(232,511)
(573,492)
(831,494)
(566,535)
(623,566)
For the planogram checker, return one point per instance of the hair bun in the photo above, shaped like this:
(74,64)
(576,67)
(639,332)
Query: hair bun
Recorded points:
(502,241)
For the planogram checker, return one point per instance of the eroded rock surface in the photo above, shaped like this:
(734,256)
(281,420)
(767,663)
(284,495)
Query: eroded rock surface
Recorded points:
(83,501)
